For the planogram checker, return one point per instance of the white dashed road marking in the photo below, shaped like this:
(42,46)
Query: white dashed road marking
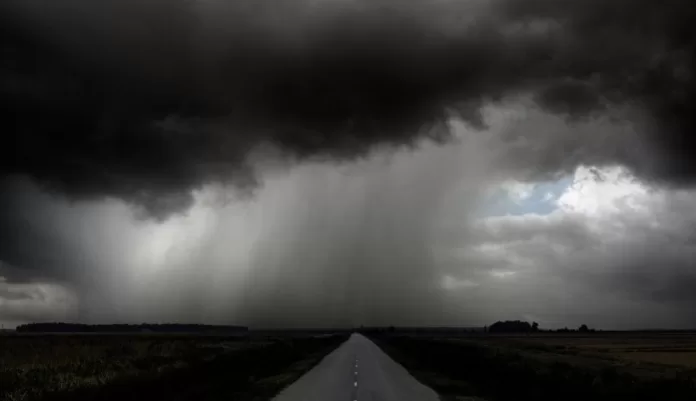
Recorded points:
(355,383)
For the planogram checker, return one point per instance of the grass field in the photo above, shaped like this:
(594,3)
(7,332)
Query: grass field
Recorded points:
(545,366)
(598,366)
(150,366)
(658,355)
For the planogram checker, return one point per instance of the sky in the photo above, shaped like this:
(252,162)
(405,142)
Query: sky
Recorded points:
(336,163)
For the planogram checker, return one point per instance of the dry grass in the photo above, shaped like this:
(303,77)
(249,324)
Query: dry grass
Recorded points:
(685,359)
(145,366)
(31,365)
(670,350)
(649,355)
(551,367)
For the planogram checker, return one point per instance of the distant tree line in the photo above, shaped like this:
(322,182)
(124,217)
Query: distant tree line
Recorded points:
(581,329)
(518,326)
(127,328)
(512,326)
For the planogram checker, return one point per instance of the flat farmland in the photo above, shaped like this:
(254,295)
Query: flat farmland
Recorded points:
(153,366)
(663,354)
(550,366)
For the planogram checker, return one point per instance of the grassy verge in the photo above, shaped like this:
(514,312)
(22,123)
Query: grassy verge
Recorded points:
(465,368)
(200,368)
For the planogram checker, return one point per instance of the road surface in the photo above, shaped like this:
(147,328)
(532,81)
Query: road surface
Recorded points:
(357,371)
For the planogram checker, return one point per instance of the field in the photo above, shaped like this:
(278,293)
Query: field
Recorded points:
(154,366)
(476,366)
(549,366)
(650,355)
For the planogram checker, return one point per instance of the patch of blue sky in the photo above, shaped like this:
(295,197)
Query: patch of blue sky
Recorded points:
(540,200)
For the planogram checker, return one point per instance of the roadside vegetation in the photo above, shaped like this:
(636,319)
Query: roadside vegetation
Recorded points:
(146,367)
(549,366)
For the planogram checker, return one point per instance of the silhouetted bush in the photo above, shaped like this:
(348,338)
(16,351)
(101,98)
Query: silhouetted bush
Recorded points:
(510,326)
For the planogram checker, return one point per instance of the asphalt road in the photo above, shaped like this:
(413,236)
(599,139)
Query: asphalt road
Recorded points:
(357,371)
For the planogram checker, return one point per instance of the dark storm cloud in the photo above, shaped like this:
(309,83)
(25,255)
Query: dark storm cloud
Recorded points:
(634,52)
(571,98)
(31,242)
(25,296)
(12,274)
(147,100)
(34,302)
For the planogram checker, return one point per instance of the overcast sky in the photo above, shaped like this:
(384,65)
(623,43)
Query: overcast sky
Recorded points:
(348,162)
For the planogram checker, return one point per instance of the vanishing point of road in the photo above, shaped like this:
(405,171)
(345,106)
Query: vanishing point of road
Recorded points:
(357,371)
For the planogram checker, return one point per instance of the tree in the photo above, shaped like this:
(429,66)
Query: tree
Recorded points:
(583,328)
(510,326)
(535,326)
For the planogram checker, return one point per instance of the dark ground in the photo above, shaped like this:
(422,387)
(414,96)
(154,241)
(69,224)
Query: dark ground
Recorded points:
(146,367)
(549,367)
(544,366)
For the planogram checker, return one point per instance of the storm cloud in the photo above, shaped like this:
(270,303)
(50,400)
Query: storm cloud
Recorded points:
(331,162)
(146,101)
